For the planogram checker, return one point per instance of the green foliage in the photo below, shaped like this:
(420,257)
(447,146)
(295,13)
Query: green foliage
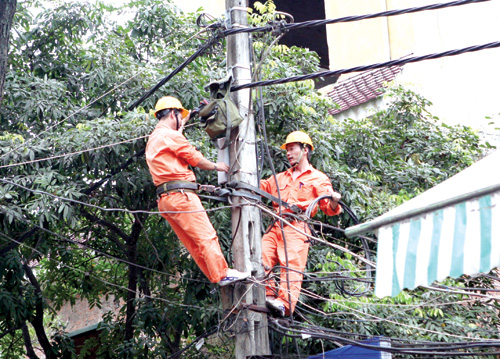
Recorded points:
(401,151)
(55,106)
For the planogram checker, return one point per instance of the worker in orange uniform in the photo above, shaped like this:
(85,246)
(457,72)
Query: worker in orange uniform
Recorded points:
(299,185)
(168,154)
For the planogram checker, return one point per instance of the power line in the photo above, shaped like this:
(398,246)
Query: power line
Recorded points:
(71,115)
(333,245)
(401,324)
(111,209)
(392,339)
(80,152)
(72,153)
(392,317)
(282,27)
(438,350)
(160,212)
(398,62)
(100,279)
(211,42)
(95,250)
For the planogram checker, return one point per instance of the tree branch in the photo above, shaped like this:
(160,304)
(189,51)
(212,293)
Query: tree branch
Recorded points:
(110,226)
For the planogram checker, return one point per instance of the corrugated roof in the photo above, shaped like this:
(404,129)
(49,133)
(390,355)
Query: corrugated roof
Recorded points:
(361,88)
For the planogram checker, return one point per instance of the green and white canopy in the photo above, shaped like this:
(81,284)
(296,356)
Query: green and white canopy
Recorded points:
(449,230)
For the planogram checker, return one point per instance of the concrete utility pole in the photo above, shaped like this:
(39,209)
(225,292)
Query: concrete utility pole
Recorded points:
(250,327)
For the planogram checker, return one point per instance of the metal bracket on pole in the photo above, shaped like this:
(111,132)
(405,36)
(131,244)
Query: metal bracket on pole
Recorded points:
(228,18)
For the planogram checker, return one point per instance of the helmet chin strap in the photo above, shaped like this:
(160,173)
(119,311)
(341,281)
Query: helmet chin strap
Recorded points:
(298,160)
(176,120)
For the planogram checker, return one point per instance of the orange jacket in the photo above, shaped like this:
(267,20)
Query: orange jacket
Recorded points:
(308,186)
(168,154)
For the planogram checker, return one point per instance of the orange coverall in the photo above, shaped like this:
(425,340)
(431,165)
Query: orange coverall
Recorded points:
(168,154)
(308,186)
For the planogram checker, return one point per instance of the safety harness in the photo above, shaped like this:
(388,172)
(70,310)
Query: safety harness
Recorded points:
(234,188)
(241,185)
(183,186)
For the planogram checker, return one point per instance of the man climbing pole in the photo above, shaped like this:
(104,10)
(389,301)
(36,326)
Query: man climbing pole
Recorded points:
(168,154)
(299,185)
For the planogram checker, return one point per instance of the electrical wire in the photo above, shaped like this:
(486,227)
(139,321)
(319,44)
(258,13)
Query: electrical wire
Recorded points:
(5,211)
(208,333)
(434,350)
(385,320)
(393,339)
(160,212)
(333,245)
(102,280)
(476,298)
(72,153)
(484,296)
(399,345)
(211,42)
(308,213)
(69,116)
(283,27)
(261,84)
(112,209)
(379,319)
(398,62)
(134,211)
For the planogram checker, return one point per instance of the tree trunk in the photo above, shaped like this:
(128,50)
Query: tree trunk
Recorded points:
(37,321)
(30,352)
(7,10)
(132,276)
(132,288)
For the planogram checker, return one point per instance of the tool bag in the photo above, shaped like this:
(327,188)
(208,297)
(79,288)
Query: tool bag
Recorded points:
(221,115)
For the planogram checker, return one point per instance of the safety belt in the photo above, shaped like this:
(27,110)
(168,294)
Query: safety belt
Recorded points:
(222,193)
(176,185)
(241,185)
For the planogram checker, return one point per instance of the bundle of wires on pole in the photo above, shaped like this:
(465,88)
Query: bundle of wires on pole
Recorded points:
(398,347)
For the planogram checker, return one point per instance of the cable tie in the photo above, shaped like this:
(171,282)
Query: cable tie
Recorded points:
(240,67)
(244,80)
(200,343)
(238,8)
(279,28)
(239,26)
(241,171)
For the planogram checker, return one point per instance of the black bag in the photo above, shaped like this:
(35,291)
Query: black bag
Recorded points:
(221,115)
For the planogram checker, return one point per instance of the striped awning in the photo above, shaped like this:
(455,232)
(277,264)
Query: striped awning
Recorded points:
(450,230)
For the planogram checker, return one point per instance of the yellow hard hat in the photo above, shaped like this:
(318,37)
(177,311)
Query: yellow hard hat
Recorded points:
(170,102)
(298,136)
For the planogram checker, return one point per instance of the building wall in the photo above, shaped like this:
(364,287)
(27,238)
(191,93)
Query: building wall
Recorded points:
(80,315)
(463,88)
(355,43)
(368,109)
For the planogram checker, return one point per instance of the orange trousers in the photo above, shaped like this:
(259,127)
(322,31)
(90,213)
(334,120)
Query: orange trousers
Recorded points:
(195,231)
(273,253)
